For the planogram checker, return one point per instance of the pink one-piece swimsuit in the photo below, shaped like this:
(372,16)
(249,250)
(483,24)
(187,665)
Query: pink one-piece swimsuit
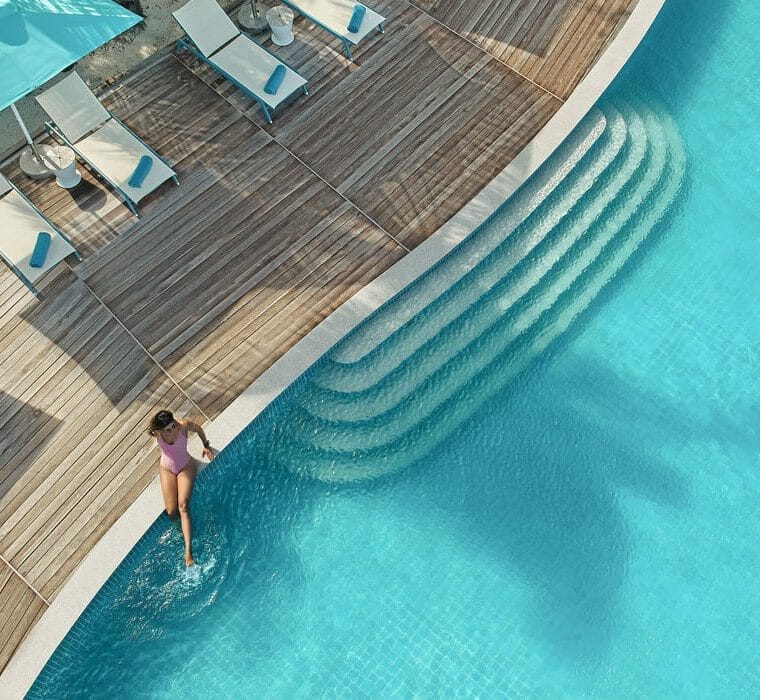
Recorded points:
(174,457)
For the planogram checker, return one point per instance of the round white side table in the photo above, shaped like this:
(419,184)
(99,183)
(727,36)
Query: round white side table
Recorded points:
(280,19)
(63,164)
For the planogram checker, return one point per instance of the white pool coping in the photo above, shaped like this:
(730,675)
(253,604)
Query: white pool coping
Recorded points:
(113,547)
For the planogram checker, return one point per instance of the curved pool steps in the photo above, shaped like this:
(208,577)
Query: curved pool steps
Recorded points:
(484,330)
(574,268)
(451,291)
(403,308)
(477,300)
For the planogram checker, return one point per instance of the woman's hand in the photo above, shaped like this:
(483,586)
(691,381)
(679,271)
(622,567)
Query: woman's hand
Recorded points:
(207,452)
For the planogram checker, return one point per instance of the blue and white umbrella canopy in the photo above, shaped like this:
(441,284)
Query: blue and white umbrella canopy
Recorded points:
(39,38)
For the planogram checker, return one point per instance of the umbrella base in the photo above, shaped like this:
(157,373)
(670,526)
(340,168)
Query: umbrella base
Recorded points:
(31,167)
(253,23)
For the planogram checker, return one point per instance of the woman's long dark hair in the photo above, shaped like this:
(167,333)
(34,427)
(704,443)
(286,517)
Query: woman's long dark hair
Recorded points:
(160,420)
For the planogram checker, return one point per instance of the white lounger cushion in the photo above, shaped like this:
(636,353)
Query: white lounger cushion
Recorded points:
(335,16)
(73,107)
(251,66)
(115,151)
(20,223)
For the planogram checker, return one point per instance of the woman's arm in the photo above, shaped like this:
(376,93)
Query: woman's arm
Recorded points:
(189,425)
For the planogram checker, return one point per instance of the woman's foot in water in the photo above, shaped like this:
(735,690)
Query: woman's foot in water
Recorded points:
(189,561)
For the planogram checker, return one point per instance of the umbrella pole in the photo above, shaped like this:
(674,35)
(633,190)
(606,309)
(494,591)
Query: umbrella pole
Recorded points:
(26,133)
(31,164)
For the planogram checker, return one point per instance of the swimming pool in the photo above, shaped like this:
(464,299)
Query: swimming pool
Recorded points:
(577,518)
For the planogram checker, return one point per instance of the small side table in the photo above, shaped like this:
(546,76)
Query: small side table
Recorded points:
(280,19)
(63,164)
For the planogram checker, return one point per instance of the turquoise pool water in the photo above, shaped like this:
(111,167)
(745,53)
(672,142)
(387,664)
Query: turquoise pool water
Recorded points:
(574,514)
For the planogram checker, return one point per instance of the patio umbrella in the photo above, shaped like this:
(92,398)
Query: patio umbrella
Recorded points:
(39,38)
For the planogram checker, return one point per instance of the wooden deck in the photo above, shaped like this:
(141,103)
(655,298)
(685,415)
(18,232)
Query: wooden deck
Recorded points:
(270,230)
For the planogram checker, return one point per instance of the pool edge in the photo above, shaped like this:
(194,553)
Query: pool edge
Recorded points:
(34,652)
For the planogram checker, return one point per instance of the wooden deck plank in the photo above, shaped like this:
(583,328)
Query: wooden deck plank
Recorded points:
(554,44)
(382,105)
(584,39)
(20,609)
(83,415)
(456,91)
(346,255)
(29,366)
(208,256)
(73,390)
(402,193)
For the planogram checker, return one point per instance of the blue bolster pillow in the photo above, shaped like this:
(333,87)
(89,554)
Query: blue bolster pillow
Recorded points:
(40,251)
(141,172)
(275,80)
(356,19)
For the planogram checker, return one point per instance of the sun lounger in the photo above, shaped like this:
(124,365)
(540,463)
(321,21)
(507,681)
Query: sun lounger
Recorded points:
(246,64)
(340,17)
(101,140)
(21,224)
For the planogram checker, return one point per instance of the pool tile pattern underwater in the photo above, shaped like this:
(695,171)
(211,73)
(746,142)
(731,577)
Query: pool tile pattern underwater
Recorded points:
(271,229)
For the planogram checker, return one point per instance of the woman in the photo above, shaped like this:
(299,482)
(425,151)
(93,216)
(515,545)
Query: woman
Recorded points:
(177,469)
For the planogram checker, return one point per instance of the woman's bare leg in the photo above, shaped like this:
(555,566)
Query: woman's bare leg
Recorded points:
(169,491)
(185,480)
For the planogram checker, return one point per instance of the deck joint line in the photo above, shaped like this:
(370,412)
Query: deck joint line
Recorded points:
(138,343)
(26,583)
(340,194)
(481,49)
(289,152)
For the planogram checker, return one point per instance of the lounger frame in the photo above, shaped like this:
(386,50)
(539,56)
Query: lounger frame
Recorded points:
(52,129)
(187,43)
(347,43)
(29,285)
